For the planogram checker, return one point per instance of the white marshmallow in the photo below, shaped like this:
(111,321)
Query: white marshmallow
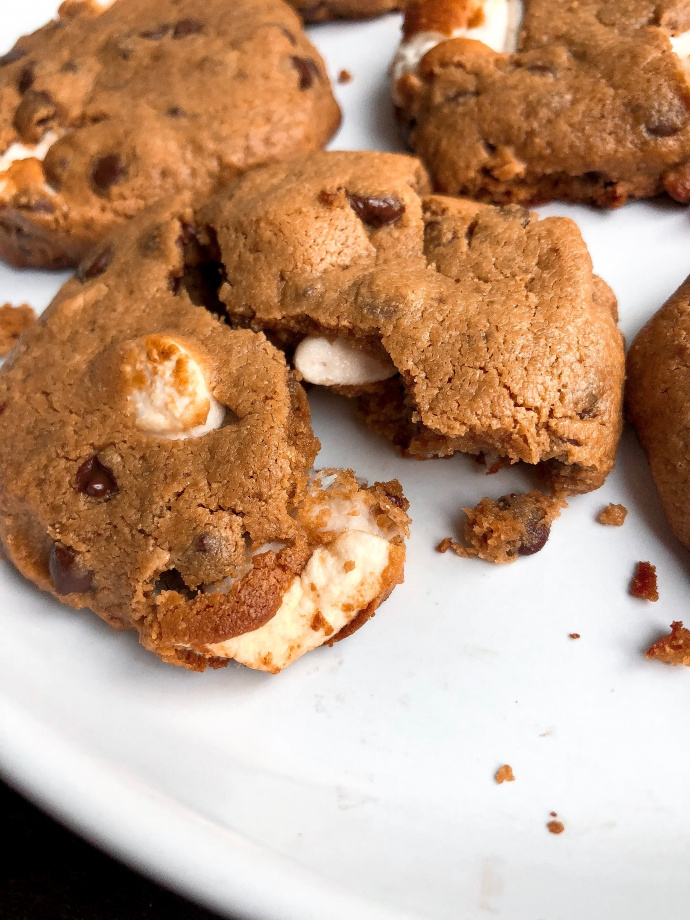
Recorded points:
(499,30)
(19,151)
(340,363)
(317,605)
(169,392)
(681,45)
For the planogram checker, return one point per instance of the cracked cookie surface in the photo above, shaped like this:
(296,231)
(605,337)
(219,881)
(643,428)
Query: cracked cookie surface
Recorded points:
(155,467)
(585,101)
(658,404)
(106,109)
(485,329)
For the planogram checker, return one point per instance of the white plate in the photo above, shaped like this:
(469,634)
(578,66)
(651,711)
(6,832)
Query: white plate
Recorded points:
(359,784)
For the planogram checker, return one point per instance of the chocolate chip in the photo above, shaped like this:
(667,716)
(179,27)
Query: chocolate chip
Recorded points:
(187,234)
(664,127)
(97,266)
(70,67)
(535,539)
(16,54)
(68,574)
(34,115)
(156,34)
(3,406)
(106,172)
(186,27)
(176,112)
(308,71)
(376,211)
(95,479)
(26,79)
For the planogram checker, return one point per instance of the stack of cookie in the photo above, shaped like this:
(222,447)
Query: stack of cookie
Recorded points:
(156,451)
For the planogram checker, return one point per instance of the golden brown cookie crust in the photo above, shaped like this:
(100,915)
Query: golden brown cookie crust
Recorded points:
(504,340)
(192,540)
(594,106)
(144,99)
(324,10)
(658,404)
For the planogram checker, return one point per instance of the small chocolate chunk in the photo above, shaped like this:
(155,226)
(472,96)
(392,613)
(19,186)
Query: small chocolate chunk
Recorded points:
(68,574)
(308,71)
(26,79)
(96,267)
(156,34)
(95,479)
(106,172)
(535,539)
(375,211)
(175,112)
(186,27)
(16,54)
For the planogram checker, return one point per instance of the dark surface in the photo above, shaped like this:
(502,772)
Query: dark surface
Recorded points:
(48,873)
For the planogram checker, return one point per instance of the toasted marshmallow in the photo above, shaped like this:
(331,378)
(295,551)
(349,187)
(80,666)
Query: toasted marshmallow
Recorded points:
(681,46)
(499,30)
(339,581)
(341,363)
(20,166)
(168,390)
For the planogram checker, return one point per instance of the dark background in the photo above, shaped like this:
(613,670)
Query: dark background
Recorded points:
(48,873)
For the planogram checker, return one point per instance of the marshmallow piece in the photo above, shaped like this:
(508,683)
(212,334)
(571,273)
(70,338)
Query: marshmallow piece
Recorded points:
(19,151)
(339,581)
(681,46)
(169,392)
(341,363)
(499,30)
(20,166)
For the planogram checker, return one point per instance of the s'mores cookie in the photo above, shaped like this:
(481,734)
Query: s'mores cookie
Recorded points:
(522,101)
(457,326)
(114,104)
(155,466)
(658,404)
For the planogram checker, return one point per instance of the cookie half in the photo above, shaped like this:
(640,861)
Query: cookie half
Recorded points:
(458,326)
(658,404)
(155,466)
(113,105)
(522,102)
(324,10)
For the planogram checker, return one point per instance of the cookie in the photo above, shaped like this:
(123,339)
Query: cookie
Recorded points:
(110,107)
(323,10)
(155,467)
(458,326)
(514,102)
(658,404)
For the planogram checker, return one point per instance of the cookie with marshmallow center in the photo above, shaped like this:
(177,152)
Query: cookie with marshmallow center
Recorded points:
(115,104)
(156,466)
(524,101)
(458,326)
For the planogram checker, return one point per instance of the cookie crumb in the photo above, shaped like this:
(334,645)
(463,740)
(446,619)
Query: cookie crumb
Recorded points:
(344,77)
(613,515)
(555,827)
(672,649)
(574,635)
(444,545)
(13,321)
(349,566)
(504,774)
(500,530)
(644,584)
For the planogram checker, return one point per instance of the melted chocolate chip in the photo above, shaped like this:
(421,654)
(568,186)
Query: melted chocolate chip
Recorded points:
(156,34)
(26,79)
(106,172)
(186,27)
(535,539)
(96,267)
(175,112)
(376,211)
(16,54)
(95,479)
(308,71)
(67,573)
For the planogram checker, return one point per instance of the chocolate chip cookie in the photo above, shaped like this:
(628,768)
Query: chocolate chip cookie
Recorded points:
(113,105)
(658,404)
(522,101)
(458,326)
(323,10)
(155,467)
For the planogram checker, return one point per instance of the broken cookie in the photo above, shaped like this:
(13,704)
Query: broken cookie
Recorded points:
(155,466)
(457,326)
(522,102)
(112,105)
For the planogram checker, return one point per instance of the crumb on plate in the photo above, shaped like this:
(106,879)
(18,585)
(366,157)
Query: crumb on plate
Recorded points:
(672,649)
(504,774)
(644,584)
(613,515)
